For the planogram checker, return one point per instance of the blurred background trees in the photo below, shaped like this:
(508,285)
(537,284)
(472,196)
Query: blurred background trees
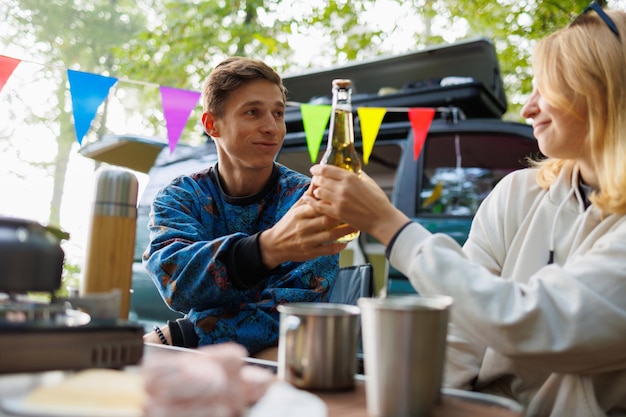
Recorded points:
(177,42)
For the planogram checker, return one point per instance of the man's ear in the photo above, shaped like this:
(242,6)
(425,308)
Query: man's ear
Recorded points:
(208,121)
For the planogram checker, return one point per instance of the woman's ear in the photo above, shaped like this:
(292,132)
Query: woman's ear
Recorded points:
(209,124)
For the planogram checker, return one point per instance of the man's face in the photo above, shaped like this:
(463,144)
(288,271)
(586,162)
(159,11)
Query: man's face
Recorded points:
(252,129)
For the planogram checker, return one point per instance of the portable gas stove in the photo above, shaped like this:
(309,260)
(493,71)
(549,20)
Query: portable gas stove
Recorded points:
(38,337)
(62,334)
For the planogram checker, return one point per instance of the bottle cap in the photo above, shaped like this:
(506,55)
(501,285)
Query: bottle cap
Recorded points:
(342,83)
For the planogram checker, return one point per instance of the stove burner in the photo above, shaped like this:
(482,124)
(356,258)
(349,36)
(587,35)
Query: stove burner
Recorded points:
(19,310)
(37,335)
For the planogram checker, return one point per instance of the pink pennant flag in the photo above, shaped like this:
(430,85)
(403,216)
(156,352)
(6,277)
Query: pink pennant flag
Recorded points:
(371,118)
(7,65)
(177,107)
(420,118)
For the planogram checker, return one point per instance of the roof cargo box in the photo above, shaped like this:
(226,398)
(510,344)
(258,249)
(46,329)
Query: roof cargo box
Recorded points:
(463,74)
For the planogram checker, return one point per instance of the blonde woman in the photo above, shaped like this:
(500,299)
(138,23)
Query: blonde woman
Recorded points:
(540,286)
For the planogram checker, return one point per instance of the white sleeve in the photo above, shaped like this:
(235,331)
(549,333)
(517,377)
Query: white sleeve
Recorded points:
(463,360)
(562,314)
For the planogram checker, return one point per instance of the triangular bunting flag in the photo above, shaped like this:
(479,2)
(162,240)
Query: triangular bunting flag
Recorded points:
(371,118)
(420,118)
(177,107)
(314,120)
(7,65)
(88,91)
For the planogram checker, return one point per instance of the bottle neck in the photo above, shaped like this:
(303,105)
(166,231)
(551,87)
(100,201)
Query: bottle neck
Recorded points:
(342,98)
(341,131)
(340,150)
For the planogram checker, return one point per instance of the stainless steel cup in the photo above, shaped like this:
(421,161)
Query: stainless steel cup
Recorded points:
(317,347)
(404,340)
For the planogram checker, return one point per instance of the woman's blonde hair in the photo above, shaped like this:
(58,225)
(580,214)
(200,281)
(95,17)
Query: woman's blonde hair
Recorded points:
(582,69)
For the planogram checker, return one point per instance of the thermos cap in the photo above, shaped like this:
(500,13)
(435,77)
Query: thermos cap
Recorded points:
(116,193)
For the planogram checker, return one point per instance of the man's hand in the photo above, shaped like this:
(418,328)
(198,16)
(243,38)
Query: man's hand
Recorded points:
(302,234)
(153,337)
(355,200)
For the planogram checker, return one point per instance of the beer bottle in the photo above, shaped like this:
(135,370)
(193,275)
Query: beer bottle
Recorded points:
(340,150)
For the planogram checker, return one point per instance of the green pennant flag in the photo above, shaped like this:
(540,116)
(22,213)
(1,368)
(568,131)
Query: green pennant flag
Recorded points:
(314,120)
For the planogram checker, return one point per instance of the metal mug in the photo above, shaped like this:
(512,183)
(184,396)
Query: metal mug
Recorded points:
(404,342)
(317,347)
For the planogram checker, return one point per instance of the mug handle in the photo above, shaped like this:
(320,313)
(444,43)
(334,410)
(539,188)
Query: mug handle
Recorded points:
(293,363)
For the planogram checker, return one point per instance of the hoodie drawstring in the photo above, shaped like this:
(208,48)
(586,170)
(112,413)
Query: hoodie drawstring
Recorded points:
(554,222)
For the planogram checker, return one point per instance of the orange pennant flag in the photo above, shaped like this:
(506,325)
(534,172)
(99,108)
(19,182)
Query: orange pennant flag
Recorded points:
(7,65)
(420,118)
(370,118)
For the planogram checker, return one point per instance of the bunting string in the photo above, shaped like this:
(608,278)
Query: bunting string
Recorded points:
(88,91)
(26,61)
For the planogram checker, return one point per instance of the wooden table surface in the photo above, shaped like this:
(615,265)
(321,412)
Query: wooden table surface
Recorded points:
(454,403)
(352,403)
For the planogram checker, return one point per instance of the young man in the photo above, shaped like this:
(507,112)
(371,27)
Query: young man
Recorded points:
(230,243)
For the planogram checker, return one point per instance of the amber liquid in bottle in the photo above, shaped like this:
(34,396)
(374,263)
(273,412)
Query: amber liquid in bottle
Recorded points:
(340,150)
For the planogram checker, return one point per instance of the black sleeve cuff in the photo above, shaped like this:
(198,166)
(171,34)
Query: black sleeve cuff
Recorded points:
(393,239)
(244,264)
(183,333)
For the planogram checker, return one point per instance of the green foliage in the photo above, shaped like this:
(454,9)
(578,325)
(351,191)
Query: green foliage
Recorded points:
(514,27)
(342,21)
(69,280)
(61,34)
(77,33)
(177,43)
(192,37)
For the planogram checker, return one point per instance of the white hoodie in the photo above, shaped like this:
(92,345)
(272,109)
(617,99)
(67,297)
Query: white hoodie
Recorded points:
(550,336)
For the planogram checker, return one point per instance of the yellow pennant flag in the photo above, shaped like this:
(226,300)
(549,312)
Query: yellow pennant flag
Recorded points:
(371,118)
(314,120)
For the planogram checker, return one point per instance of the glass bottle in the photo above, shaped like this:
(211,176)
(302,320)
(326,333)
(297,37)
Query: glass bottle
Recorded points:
(340,150)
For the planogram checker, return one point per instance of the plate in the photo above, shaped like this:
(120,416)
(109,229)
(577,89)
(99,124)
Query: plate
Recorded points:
(284,400)
(19,407)
(86,393)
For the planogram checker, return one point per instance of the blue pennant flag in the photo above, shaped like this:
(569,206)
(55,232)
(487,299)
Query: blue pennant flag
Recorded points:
(88,91)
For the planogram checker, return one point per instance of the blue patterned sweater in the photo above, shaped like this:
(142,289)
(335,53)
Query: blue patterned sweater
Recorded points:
(194,227)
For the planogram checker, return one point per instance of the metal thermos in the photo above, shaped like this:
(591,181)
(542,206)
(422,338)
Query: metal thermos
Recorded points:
(111,239)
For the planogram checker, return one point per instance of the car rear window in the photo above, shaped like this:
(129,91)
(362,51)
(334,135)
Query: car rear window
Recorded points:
(461,169)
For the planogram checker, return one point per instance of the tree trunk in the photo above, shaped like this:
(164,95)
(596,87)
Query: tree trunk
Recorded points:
(64,147)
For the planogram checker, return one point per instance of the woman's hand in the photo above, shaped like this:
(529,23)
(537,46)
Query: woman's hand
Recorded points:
(358,201)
